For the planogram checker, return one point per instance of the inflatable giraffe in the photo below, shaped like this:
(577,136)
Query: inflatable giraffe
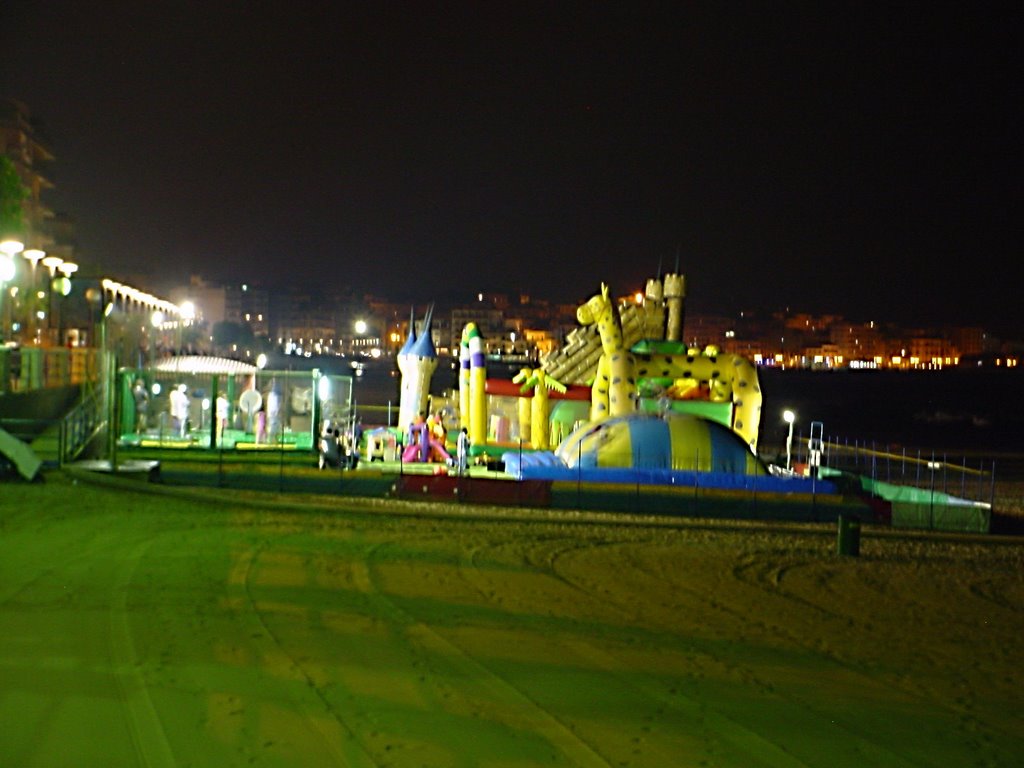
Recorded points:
(614,392)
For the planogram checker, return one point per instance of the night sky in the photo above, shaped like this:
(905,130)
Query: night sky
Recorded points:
(827,159)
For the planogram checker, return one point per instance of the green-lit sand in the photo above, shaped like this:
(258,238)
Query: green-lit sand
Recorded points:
(142,629)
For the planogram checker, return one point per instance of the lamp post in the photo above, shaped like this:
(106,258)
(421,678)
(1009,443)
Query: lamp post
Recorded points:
(33,256)
(8,250)
(51,263)
(360,327)
(62,286)
(6,276)
(789,417)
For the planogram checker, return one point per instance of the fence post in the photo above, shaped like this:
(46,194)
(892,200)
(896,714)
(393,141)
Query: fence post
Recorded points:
(992,491)
(579,470)
(280,473)
(931,494)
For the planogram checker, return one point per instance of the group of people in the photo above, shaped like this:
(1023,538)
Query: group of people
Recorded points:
(461,442)
(340,447)
(178,407)
(436,431)
(337,446)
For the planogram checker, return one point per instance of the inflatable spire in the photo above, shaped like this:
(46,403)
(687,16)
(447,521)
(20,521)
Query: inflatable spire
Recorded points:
(464,397)
(477,385)
(417,361)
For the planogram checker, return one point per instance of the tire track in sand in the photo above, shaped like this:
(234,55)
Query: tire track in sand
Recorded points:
(475,677)
(351,751)
(719,733)
(147,731)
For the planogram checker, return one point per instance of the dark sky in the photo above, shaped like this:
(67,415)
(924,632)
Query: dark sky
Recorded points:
(839,158)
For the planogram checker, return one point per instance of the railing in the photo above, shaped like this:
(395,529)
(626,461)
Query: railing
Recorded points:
(23,369)
(81,426)
(970,478)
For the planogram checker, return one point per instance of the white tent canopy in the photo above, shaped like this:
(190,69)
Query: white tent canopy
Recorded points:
(204,364)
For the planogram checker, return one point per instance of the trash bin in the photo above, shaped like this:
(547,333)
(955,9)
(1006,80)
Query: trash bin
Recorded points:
(848,540)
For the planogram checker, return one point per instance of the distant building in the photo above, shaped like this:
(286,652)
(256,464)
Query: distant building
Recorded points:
(249,304)
(701,330)
(210,300)
(24,143)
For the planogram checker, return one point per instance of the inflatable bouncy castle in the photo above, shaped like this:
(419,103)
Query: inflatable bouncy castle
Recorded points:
(673,441)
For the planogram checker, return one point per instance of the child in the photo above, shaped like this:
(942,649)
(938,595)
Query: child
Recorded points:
(462,450)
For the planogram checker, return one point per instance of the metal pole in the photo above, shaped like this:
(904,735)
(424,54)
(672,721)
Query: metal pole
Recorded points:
(579,470)
(931,494)
(214,421)
(789,448)
(280,474)
(992,491)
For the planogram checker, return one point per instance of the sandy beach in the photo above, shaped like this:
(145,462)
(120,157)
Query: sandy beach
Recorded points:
(236,629)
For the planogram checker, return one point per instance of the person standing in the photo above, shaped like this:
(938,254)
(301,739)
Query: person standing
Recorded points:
(179,409)
(274,412)
(141,405)
(222,416)
(462,450)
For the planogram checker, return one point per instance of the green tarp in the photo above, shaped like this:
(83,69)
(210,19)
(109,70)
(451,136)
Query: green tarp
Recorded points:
(932,510)
(19,454)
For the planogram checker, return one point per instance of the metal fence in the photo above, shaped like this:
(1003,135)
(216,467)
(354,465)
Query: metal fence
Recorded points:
(967,477)
(242,411)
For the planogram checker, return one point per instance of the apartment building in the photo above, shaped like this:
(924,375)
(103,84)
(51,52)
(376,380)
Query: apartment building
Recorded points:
(24,143)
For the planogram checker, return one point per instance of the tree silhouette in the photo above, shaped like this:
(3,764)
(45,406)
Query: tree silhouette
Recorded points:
(12,197)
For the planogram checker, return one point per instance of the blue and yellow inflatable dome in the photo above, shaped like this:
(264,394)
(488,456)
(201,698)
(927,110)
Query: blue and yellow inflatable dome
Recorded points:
(675,441)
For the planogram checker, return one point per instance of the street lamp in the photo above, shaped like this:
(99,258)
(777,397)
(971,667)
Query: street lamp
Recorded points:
(61,287)
(789,417)
(51,263)
(6,276)
(33,256)
(8,250)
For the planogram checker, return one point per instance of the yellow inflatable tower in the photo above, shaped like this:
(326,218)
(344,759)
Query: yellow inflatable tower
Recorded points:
(464,399)
(477,385)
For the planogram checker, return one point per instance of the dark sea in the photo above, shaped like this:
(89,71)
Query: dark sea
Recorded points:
(977,411)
